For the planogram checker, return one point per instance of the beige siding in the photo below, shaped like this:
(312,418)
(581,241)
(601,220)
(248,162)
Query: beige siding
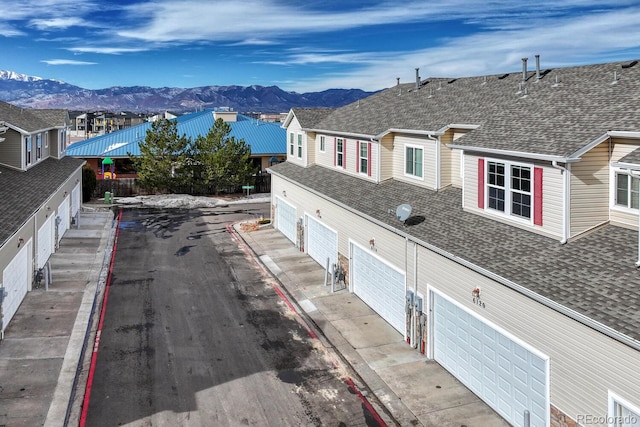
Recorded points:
(429,166)
(386,157)
(590,190)
(11,149)
(311,147)
(584,363)
(456,168)
(351,156)
(446,158)
(295,129)
(326,158)
(552,198)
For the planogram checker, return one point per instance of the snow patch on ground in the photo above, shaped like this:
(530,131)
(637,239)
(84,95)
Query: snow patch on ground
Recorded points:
(186,201)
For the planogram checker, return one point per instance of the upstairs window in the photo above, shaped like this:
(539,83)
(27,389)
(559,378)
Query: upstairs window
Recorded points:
(509,189)
(322,144)
(340,152)
(27,143)
(291,144)
(413,157)
(627,191)
(38,146)
(299,146)
(364,150)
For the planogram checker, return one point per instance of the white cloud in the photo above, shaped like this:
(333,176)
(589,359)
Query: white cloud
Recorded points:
(107,50)
(56,23)
(66,62)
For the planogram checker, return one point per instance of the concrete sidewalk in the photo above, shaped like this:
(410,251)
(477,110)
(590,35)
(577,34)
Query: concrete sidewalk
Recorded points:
(43,343)
(413,389)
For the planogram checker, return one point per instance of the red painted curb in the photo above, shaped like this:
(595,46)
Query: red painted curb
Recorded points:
(94,355)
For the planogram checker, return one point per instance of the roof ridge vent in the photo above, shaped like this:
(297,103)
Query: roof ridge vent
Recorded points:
(451,81)
(629,64)
(503,76)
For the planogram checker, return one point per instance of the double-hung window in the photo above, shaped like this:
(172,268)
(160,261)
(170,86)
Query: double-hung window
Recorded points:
(322,144)
(627,191)
(340,152)
(509,188)
(622,413)
(291,144)
(27,144)
(413,159)
(299,145)
(364,158)
(38,146)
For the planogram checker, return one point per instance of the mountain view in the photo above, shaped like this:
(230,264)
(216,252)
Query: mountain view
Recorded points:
(35,92)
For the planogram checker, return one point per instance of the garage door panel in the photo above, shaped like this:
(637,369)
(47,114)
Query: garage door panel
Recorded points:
(15,279)
(506,375)
(322,242)
(379,285)
(286,216)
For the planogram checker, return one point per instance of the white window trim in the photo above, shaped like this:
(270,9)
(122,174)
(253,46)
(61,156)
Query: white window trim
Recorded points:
(507,199)
(404,162)
(291,144)
(299,145)
(28,151)
(614,402)
(613,193)
(323,144)
(344,146)
(365,143)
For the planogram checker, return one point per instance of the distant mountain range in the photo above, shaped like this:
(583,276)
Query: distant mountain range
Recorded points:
(35,92)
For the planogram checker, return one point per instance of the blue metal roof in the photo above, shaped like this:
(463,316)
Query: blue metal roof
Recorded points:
(264,138)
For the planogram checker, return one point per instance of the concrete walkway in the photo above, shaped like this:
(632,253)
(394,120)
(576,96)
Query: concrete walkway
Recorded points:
(414,390)
(43,344)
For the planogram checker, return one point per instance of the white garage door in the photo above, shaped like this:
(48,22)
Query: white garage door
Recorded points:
(503,373)
(64,214)
(15,278)
(286,219)
(75,200)
(380,285)
(45,241)
(322,242)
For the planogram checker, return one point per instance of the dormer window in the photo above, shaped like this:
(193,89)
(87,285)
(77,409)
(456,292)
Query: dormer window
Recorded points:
(299,146)
(291,147)
(413,160)
(27,143)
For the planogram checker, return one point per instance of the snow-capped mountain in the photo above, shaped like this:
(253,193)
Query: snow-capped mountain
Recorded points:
(35,92)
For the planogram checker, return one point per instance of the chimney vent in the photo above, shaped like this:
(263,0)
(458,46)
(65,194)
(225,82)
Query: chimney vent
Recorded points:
(397,81)
(417,78)
(524,69)
(537,67)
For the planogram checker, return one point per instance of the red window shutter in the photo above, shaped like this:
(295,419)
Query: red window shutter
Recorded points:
(369,163)
(357,156)
(335,150)
(344,154)
(481,183)
(537,196)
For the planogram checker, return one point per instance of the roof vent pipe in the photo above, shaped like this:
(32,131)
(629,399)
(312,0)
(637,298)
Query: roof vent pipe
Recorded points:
(417,78)
(537,67)
(397,81)
(524,69)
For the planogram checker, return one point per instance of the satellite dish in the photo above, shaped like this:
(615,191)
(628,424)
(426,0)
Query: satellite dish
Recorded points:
(403,211)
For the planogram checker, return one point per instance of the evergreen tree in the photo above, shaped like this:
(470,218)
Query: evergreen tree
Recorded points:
(219,161)
(162,164)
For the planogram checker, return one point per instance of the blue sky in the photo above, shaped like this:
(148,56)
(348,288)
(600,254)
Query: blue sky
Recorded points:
(317,45)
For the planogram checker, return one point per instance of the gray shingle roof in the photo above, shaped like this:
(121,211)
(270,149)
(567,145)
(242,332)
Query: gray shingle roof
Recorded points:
(310,117)
(553,118)
(594,275)
(22,193)
(25,119)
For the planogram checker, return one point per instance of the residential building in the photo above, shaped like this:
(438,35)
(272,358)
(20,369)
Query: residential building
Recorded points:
(267,140)
(493,222)
(40,189)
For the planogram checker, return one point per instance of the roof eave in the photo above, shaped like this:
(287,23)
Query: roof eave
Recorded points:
(509,153)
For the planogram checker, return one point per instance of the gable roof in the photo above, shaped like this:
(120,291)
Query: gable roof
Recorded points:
(264,138)
(26,120)
(546,117)
(594,276)
(308,117)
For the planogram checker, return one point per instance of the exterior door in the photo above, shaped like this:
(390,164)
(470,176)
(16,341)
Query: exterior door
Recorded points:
(380,285)
(508,376)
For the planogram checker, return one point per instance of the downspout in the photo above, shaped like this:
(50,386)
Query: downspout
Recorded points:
(565,201)
(378,160)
